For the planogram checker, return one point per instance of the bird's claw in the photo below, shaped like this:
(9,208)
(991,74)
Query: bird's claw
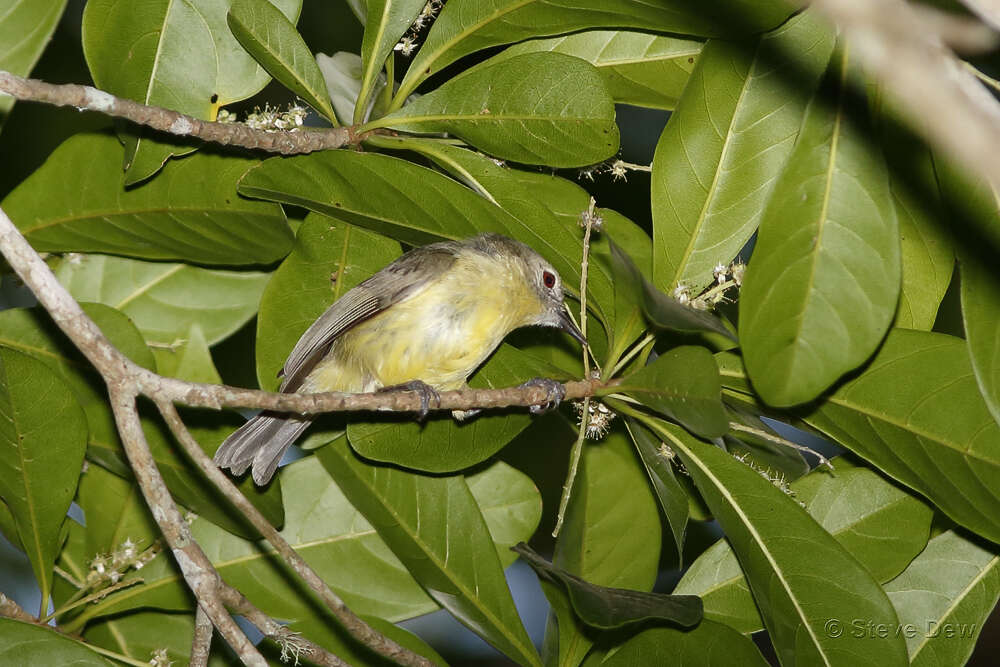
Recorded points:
(426,392)
(555,392)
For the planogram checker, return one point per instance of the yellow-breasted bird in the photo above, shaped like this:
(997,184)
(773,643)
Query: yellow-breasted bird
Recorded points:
(424,322)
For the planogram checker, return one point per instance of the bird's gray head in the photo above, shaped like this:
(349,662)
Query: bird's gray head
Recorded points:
(543,279)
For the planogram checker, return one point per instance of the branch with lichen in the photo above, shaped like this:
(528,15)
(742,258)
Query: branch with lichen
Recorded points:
(87,98)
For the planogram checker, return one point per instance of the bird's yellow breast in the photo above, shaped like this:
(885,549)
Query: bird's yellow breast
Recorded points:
(440,334)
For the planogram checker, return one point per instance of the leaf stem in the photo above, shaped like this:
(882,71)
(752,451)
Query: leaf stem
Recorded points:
(636,349)
(577,451)
(73,604)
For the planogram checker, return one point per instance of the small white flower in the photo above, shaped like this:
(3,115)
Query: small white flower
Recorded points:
(618,170)
(406,46)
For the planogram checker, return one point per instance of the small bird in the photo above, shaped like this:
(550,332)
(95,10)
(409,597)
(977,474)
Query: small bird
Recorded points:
(423,323)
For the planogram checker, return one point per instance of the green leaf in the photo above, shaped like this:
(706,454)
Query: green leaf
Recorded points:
(189,360)
(942,616)
(181,55)
(440,443)
(137,635)
(164,300)
(28,644)
(732,132)
(30,331)
(386,21)
(510,503)
(822,285)
(435,527)
(271,38)
(671,495)
(463,29)
(683,384)
(638,68)
(612,608)
(539,108)
(928,258)
(343,548)
(76,202)
(981,317)
(329,257)
(609,538)
(880,525)
(662,311)
(707,645)
(932,432)
(8,526)
(25,29)
(416,205)
(800,576)
(43,438)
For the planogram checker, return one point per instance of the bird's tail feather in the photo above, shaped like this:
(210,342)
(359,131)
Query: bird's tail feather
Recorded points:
(260,443)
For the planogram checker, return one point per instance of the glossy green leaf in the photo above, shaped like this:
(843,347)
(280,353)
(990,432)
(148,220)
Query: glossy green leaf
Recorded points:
(822,285)
(271,38)
(28,644)
(329,258)
(611,608)
(442,444)
(683,384)
(30,331)
(76,202)
(138,634)
(435,527)
(510,504)
(328,634)
(538,108)
(945,597)
(799,574)
(415,205)
(981,317)
(638,68)
(343,548)
(932,432)
(25,28)
(386,21)
(718,157)
(662,311)
(189,360)
(164,300)
(671,495)
(181,55)
(707,645)
(609,538)
(879,524)
(928,258)
(464,28)
(43,438)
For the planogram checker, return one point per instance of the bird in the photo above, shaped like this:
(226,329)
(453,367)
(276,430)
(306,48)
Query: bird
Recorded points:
(423,323)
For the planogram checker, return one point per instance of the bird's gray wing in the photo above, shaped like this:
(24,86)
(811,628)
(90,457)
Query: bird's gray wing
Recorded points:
(402,278)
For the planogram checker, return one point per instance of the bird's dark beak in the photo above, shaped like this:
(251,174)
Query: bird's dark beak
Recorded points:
(566,324)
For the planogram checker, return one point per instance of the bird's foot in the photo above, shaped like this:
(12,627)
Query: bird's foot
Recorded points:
(427,393)
(555,392)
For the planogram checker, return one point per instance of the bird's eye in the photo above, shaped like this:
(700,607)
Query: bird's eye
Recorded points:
(549,279)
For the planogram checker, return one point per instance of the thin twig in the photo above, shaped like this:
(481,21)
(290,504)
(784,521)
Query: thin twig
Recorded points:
(201,642)
(574,457)
(86,98)
(104,592)
(353,624)
(778,440)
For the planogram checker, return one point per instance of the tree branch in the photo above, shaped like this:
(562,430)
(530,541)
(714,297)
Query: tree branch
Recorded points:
(86,98)
(353,624)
